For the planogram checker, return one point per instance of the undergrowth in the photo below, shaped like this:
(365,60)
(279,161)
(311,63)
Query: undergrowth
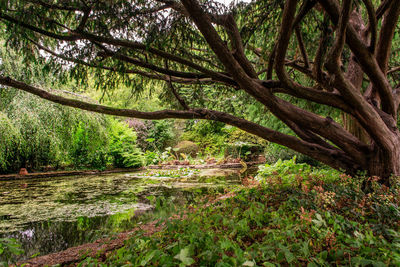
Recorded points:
(295,216)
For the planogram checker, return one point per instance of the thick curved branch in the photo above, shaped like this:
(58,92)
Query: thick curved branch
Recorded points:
(228,22)
(328,156)
(280,61)
(382,8)
(367,61)
(285,111)
(337,49)
(386,35)
(373,24)
(204,24)
(368,117)
(304,9)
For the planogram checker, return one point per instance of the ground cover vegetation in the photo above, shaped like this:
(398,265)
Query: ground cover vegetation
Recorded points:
(327,70)
(291,215)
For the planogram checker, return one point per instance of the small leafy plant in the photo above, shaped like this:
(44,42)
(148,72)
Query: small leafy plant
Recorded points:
(9,248)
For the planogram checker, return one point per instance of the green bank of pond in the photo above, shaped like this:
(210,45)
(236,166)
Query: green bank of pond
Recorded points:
(52,214)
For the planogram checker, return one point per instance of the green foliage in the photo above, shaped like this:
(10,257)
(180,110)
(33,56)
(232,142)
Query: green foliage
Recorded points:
(241,144)
(289,170)
(298,216)
(10,137)
(285,168)
(210,136)
(275,152)
(161,132)
(215,138)
(89,146)
(187,147)
(151,157)
(8,249)
(123,147)
(37,133)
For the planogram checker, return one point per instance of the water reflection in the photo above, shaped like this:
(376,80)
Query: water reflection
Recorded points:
(49,215)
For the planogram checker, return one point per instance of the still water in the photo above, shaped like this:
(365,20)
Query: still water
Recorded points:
(52,214)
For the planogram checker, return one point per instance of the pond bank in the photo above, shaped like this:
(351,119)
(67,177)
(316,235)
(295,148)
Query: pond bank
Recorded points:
(34,175)
(207,166)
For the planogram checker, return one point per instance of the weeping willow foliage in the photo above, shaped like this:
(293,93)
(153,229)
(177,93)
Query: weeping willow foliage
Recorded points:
(36,133)
(9,139)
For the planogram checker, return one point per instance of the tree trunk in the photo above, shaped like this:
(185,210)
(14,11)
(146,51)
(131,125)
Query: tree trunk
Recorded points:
(353,127)
(385,165)
(355,75)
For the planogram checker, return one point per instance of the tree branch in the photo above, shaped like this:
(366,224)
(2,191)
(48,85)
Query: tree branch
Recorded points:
(373,24)
(386,36)
(366,60)
(302,47)
(330,157)
(75,35)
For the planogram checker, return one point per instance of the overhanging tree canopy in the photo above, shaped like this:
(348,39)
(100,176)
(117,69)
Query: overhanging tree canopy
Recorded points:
(333,53)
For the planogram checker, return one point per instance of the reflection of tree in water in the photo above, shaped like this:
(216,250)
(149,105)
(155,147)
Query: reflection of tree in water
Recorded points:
(48,237)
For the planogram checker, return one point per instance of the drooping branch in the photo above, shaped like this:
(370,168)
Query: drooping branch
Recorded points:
(81,35)
(332,157)
(143,64)
(181,101)
(55,6)
(149,75)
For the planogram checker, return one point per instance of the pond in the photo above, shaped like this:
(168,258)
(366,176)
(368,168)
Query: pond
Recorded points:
(51,214)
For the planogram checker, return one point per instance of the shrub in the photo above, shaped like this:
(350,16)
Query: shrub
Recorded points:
(274,152)
(159,131)
(123,147)
(142,131)
(187,147)
(9,248)
(208,135)
(10,137)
